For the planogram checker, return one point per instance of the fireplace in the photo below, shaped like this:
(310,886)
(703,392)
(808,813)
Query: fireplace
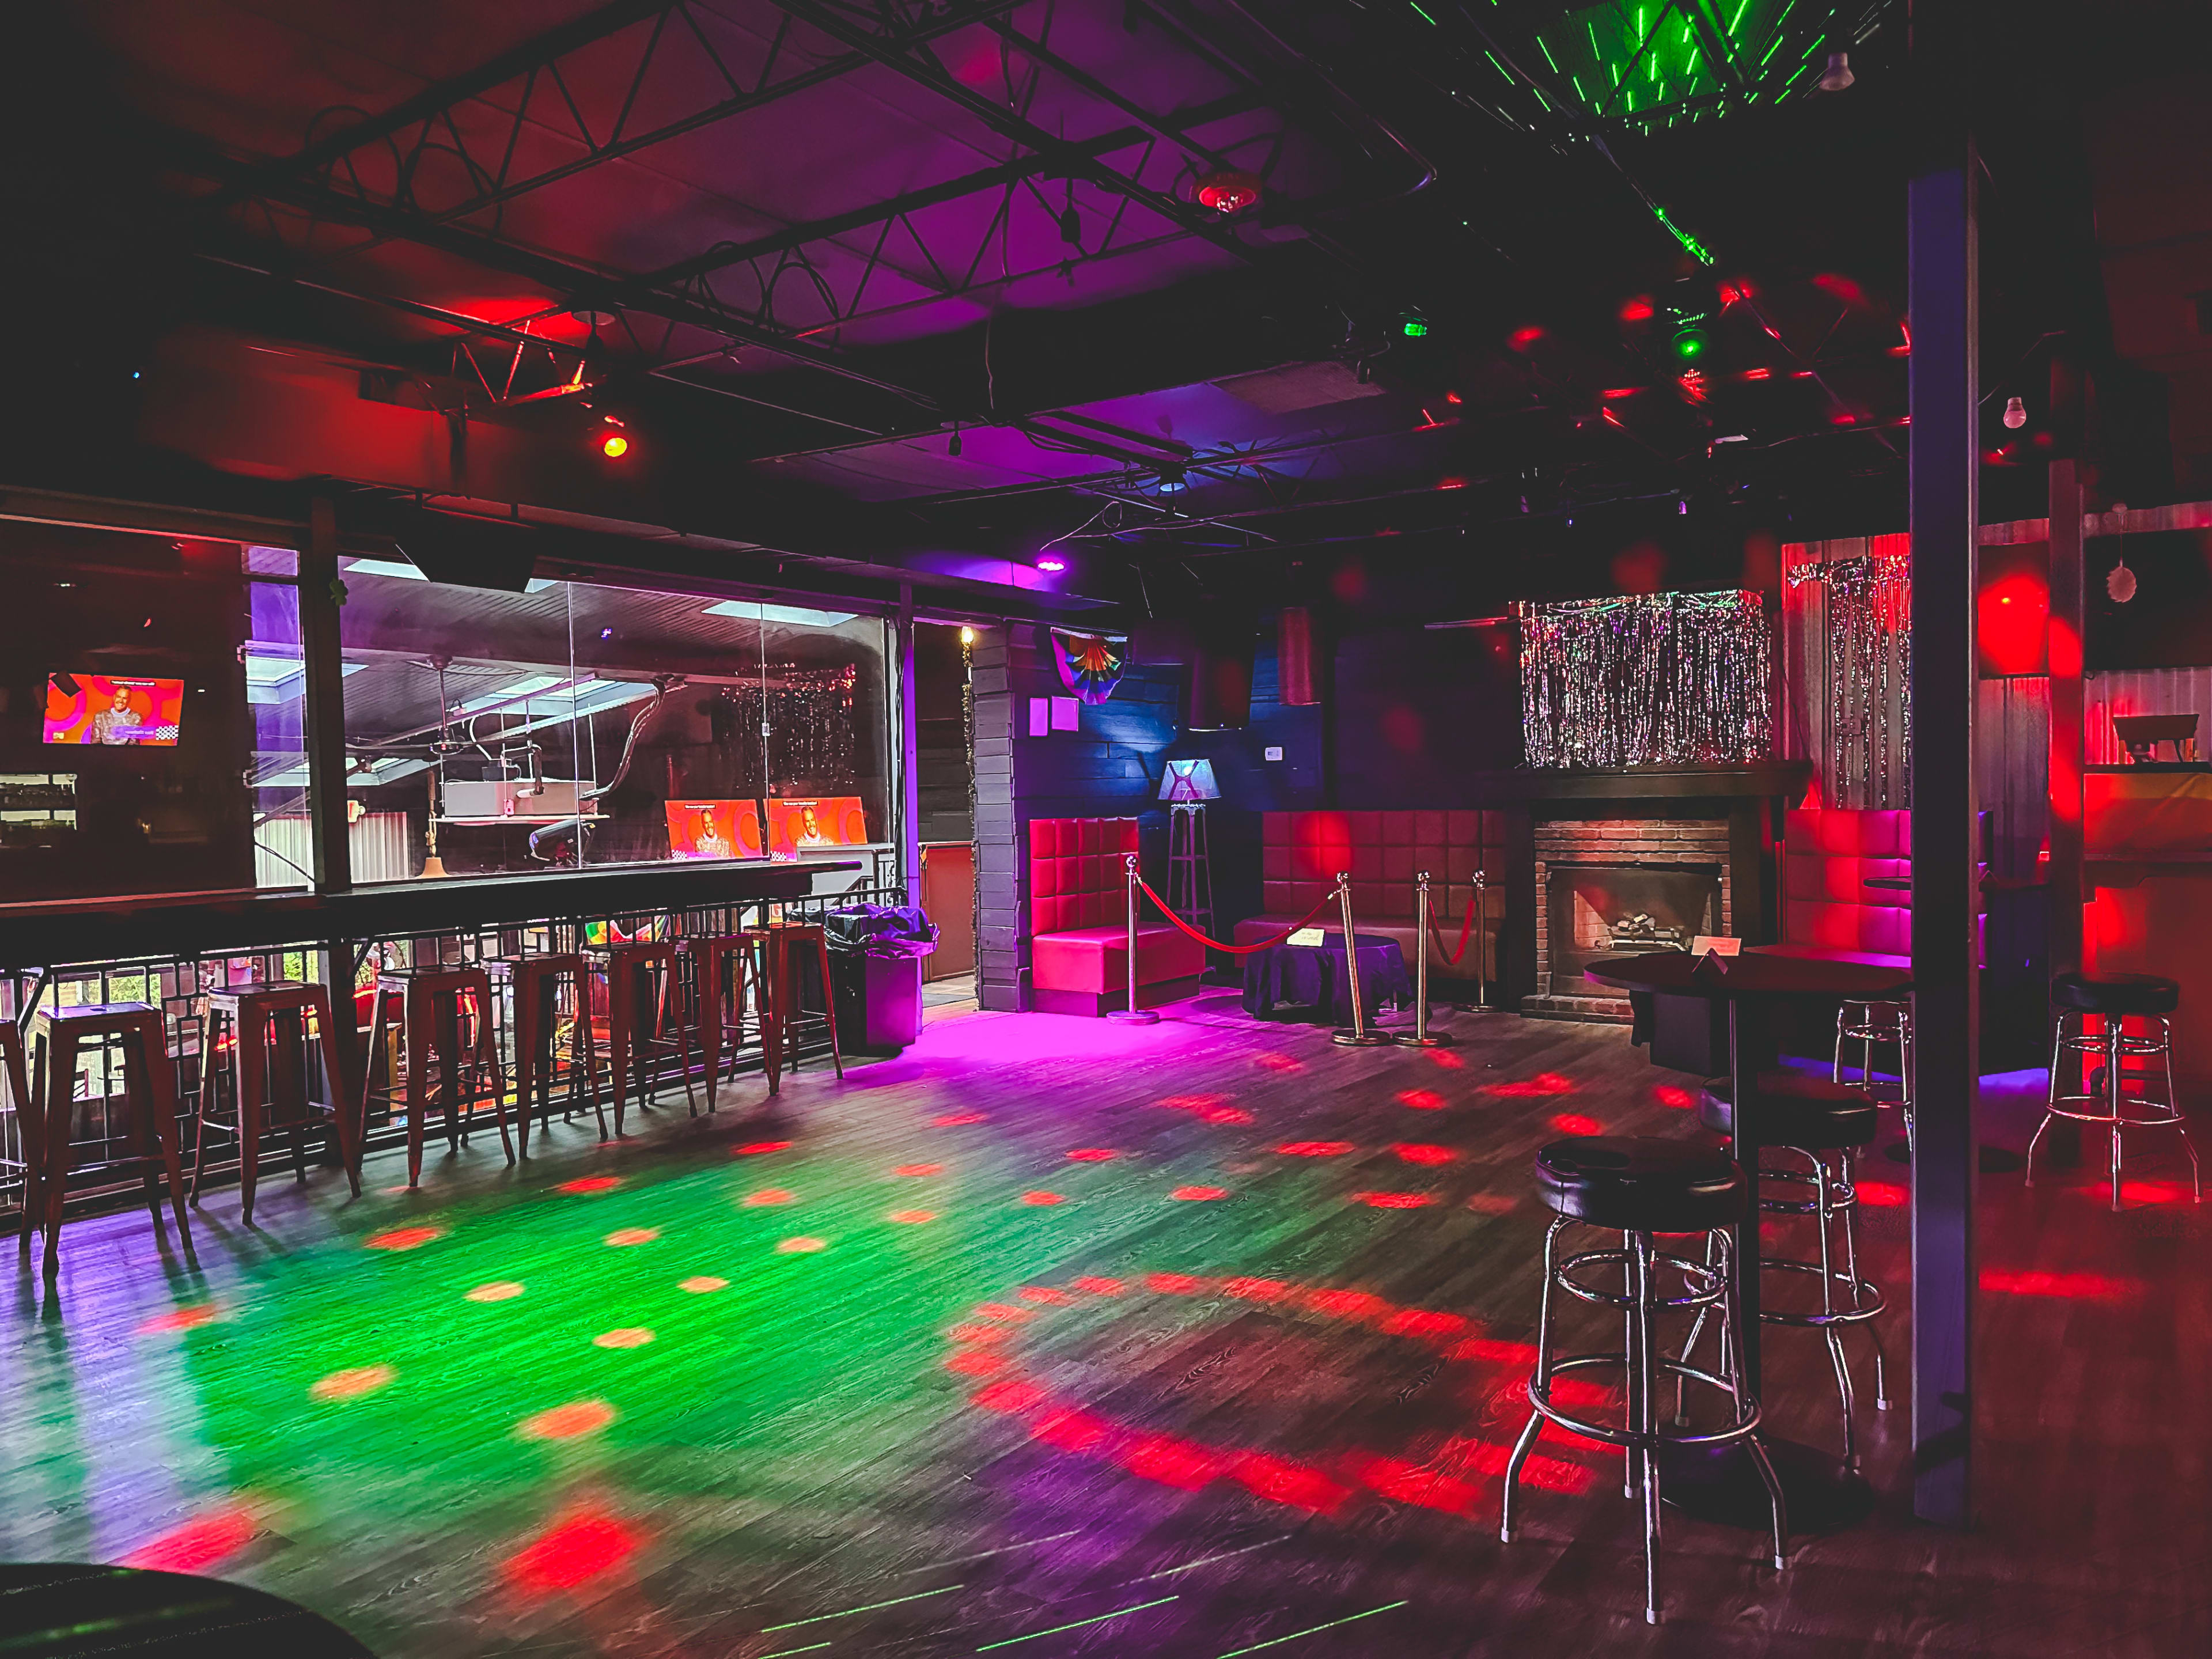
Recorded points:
(1618,886)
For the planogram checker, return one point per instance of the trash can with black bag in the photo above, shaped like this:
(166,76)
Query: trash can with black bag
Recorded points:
(875,958)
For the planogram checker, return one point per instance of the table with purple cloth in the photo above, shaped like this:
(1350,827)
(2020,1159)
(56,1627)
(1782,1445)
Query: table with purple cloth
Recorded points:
(1311,979)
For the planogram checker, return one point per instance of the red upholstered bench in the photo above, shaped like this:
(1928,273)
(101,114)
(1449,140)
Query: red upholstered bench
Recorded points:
(1827,909)
(1300,853)
(1079,923)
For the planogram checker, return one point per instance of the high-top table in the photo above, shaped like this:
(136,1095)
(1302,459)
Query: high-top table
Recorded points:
(1721,1485)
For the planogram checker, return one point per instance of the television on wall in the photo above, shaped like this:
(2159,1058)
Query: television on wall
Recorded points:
(713,830)
(97,709)
(796,826)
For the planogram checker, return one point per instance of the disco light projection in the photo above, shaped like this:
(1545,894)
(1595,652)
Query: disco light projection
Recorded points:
(355,1383)
(955,1120)
(623,1236)
(1199,1194)
(911,1218)
(206,1541)
(702,1285)
(500,1289)
(571,1553)
(802,1246)
(573,1421)
(768,1198)
(405,1238)
(179,1319)
(1422,1100)
(1092,1154)
(590,1184)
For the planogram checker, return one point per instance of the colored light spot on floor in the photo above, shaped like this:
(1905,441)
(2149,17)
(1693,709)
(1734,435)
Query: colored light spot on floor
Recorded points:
(1182,1464)
(1174,1284)
(1492,1351)
(570,1422)
(703,1283)
(1578,1393)
(2145,1192)
(1416,1152)
(1255,1290)
(968,1362)
(918,1169)
(353,1384)
(405,1238)
(180,1319)
(1425,1488)
(2074,1287)
(1036,1198)
(1494,1203)
(1393,1201)
(1208,1109)
(1545,1473)
(802,1246)
(1011,1395)
(1422,1100)
(200,1543)
(1314,1148)
(1883,1194)
(1097,1287)
(911,1217)
(1347,1304)
(1000,1310)
(1445,1058)
(1199,1194)
(755,1148)
(1093,1154)
(500,1289)
(1045,1294)
(590,1184)
(1680,1100)
(768,1198)
(979,1333)
(628,1337)
(1544,1083)
(625,1236)
(1068,1430)
(1293,1485)
(573,1552)
(1574,1123)
(955,1120)
(1424,1322)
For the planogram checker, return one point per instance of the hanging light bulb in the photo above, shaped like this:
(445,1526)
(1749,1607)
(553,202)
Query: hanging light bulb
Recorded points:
(1837,76)
(952,445)
(2120,583)
(2015,415)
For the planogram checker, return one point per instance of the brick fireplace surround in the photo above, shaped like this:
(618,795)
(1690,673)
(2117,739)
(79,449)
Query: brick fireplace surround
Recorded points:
(1699,841)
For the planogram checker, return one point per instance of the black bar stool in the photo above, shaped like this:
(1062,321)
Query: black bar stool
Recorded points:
(2115,999)
(1637,1186)
(1816,1119)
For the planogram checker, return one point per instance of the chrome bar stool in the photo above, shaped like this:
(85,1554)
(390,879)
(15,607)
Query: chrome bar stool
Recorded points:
(1824,1123)
(1874,1022)
(2115,999)
(1637,1186)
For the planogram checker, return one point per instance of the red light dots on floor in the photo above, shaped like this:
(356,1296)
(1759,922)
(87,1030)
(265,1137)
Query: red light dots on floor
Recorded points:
(968,1362)
(570,1422)
(199,1544)
(1424,1322)
(353,1384)
(626,1236)
(802,1246)
(1068,1430)
(918,1169)
(1208,1109)
(629,1337)
(500,1289)
(1574,1123)
(755,1148)
(180,1319)
(1199,1194)
(405,1238)
(1445,1058)
(1046,1295)
(1414,1151)
(1533,1088)
(1039,1199)
(1422,1100)
(1680,1100)
(1316,1148)
(1255,1290)
(1393,1201)
(1174,1284)
(571,1553)
(1011,1395)
(702,1285)
(2073,1287)
(768,1198)
(911,1217)
(1883,1194)
(1097,1287)
(1093,1154)
(955,1120)
(1494,1204)
(590,1184)
(1280,1062)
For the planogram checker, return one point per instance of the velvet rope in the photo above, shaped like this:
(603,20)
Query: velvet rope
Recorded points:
(1466,931)
(1233,949)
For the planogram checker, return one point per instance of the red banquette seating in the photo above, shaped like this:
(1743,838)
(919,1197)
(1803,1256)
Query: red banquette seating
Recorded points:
(1827,910)
(1302,852)
(1079,945)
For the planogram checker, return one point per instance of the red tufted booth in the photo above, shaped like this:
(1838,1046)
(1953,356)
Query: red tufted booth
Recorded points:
(1079,946)
(1300,853)
(1827,909)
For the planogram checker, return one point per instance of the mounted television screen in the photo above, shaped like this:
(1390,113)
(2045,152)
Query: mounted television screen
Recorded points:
(794,826)
(121,712)
(713,830)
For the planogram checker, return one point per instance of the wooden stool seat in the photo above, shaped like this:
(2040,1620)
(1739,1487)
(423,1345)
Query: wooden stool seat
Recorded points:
(266,1022)
(431,1001)
(776,942)
(149,1090)
(534,986)
(722,966)
(643,1018)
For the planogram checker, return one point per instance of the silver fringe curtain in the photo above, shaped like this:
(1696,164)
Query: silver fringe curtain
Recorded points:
(1647,680)
(1849,609)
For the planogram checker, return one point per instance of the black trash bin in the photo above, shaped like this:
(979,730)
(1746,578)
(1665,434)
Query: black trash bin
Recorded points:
(875,959)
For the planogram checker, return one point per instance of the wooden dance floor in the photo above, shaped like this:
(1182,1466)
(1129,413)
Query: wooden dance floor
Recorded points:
(1054,1337)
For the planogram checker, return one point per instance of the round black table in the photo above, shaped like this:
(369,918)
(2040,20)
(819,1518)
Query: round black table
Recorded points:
(1313,977)
(56,1609)
(1721,1483)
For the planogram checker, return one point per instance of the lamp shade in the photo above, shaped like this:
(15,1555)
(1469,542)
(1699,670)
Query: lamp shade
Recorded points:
(1189,780)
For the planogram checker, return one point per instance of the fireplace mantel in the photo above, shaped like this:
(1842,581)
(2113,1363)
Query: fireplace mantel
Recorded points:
(1778,778)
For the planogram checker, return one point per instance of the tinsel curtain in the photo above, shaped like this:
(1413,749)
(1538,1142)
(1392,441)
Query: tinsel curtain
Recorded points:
(809,713)
(1647,680)
(1848,614)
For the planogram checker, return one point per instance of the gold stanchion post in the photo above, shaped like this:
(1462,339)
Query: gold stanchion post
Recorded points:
(1420,1036)
(1129,1013)
(1357,1036)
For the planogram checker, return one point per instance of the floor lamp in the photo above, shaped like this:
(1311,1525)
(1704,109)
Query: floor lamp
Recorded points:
(1187,786)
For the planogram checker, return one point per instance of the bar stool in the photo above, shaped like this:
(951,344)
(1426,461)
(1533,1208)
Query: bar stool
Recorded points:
(534,985)
(1637,1186)
(2115,999)
(264,1023)
(149,1091)
(431,1020)
(1815,1119)
(644,1020)
(786,1018)
(1874,1023)
(721,965)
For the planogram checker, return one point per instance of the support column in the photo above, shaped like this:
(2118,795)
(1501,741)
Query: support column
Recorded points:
(1945,396)
(909,796)
(323,731)
(2063,643)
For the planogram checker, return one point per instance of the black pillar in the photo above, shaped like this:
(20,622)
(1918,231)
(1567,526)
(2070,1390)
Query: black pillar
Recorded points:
(1943,511)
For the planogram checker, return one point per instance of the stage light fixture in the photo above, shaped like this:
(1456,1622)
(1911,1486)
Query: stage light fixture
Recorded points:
(614,443)
(1228,191)
(952,444)
(1051,563)
(1414,326)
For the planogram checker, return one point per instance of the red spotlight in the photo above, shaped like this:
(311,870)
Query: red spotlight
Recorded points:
(1637,310)
(1523,339)
(614,446)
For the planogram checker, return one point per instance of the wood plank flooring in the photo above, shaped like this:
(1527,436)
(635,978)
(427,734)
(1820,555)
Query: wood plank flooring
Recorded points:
(1054,1337)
